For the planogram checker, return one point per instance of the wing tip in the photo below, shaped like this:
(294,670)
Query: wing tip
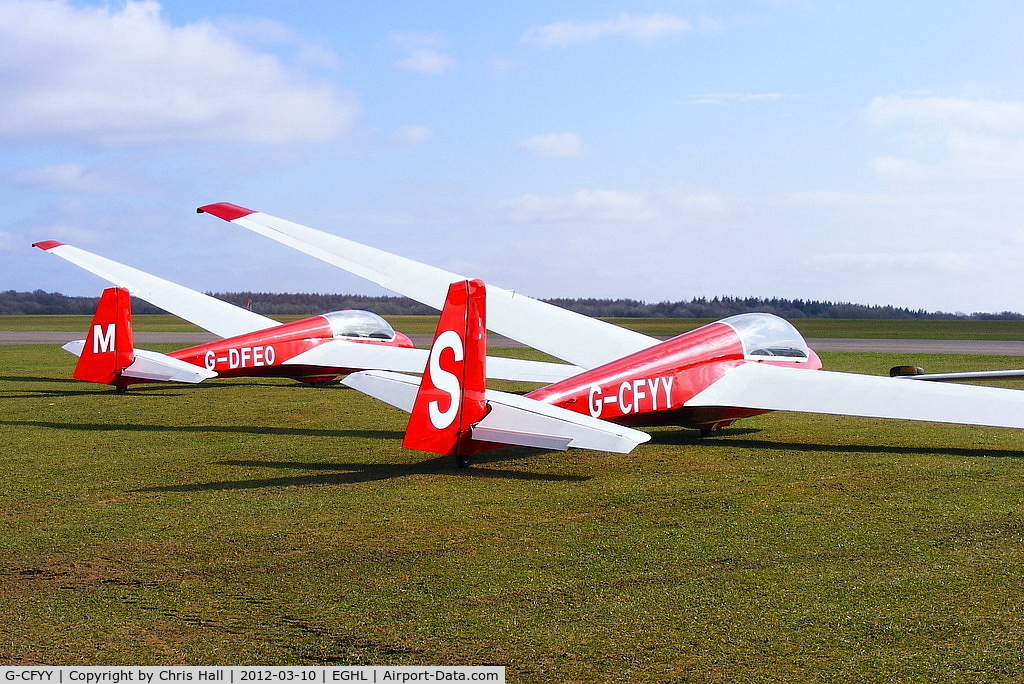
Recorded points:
(225,210)
(47,245)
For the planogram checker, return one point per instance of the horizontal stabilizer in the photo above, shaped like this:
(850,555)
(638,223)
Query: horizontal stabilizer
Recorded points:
(774,388)
(150,365)
(512,419)
(345,354)
(566,335)
(211,314)
(515,419)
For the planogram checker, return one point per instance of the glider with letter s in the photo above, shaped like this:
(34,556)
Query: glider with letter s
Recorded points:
(706,378)
(312,350)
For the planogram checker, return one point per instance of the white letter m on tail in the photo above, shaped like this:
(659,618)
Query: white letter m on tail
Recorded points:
(103,341)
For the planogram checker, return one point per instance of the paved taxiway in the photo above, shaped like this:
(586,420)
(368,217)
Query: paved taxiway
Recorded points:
(981,347)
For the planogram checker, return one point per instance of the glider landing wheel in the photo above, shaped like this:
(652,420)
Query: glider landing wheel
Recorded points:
(121,389)
(463,460)
(710,431)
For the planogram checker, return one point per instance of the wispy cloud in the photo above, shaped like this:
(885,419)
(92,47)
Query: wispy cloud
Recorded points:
(412,135)
(72,177)
(98,75)
(980,139)
(605,206)
(643,28)
(425,61)
(954,111)
(554,145)
(424,54)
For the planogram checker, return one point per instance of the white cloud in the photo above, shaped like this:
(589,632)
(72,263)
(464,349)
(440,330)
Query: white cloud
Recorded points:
(954,111)
(979,139)
(554,145)
(644,28)
(426,61)
(424,55)
(590,206)
(899,168)
(98,75)
(582,206)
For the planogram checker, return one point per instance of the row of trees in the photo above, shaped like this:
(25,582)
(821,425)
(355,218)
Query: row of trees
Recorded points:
(40,302)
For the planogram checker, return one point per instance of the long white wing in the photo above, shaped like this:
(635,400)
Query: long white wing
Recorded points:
(214,315)
(762,386)
(512,419)
(346,354)
(575,338)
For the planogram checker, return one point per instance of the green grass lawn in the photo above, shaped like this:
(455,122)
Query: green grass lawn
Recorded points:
(260,522)
(658,327)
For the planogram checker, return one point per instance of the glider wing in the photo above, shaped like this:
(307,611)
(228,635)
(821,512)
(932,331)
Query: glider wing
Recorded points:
(346,354)
(774,388)
(214,315)
(566,335)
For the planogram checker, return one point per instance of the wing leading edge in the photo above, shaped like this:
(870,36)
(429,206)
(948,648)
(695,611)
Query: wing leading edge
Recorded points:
(346,354)
(569,336)
(216,316)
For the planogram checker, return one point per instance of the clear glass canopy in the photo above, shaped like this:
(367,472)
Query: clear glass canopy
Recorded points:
(355,323)
(764,335)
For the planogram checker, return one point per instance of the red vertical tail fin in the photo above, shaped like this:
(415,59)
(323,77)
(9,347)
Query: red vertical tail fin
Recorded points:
(451,399)
(109,347)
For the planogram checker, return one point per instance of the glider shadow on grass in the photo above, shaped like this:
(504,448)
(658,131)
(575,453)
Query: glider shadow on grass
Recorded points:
(354,473)
(339,473)
(734,439)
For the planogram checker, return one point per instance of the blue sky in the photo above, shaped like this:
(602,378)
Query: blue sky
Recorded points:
(868,152)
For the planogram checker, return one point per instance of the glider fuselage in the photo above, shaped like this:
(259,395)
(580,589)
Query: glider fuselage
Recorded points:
(652,386)
(263,353)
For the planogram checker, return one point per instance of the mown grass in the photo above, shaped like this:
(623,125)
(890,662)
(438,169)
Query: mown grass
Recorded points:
(266,523)
(658,327)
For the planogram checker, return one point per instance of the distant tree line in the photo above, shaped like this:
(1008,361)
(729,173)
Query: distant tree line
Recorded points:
(40,302)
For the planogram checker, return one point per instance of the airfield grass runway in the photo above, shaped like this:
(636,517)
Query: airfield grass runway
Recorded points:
(260,522)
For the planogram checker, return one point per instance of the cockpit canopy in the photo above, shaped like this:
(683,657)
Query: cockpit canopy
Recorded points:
(766,336)
(353,323)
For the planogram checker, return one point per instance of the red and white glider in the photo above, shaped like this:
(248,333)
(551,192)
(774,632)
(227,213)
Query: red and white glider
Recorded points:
(315,349)
(706,378)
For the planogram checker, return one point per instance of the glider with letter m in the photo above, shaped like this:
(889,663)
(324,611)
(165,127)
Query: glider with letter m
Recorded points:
(312,350)
(706,378)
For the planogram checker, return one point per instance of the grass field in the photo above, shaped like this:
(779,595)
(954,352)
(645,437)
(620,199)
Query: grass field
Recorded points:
(259,522)
(659,327)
